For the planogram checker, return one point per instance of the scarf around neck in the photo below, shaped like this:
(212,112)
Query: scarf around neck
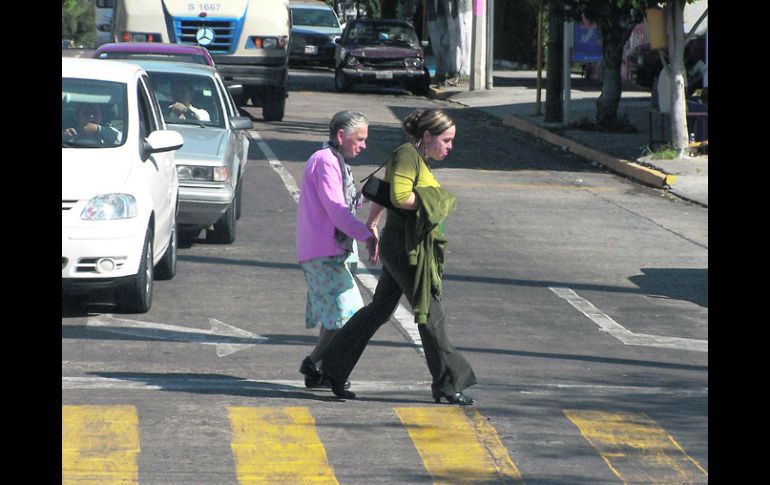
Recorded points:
(349,191)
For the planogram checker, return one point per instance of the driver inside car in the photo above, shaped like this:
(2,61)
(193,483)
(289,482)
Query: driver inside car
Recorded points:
(89,126)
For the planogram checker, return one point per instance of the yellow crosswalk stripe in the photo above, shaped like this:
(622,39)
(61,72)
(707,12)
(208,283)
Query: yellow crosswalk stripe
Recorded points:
(636,449)
(100,445)
(457,446)
(278,446)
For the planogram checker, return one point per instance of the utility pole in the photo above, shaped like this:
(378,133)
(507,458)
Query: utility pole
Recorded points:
(490,42)
(567,67)
(477,46)
(553,88)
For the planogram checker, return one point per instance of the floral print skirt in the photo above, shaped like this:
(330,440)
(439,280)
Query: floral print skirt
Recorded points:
(332,294)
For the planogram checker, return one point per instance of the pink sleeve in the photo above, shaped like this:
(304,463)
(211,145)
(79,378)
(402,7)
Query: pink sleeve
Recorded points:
(330,191)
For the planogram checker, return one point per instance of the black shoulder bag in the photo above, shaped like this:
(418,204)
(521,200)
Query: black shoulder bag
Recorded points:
(378,190)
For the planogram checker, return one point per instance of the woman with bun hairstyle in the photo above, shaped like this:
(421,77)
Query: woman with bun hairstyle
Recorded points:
(411,248)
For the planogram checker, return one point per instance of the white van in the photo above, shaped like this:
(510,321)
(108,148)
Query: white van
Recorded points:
(248,40)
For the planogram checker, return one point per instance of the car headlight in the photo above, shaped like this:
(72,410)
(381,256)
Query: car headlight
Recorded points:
(108,207)
(413,62)
(197,172)
(351,61)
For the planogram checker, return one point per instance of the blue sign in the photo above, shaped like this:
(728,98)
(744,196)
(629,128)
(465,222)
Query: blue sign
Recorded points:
(586,46)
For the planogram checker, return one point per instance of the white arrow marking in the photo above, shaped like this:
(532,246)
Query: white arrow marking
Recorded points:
(226,338)
(607,324)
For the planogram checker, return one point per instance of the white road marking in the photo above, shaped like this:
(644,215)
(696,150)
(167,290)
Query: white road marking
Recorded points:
(607,324)
(219,334)
(403,319)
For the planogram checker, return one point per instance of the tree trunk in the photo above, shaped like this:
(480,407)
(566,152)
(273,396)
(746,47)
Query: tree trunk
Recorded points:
(675,40)
(449,25)
(553,82)
(613,38)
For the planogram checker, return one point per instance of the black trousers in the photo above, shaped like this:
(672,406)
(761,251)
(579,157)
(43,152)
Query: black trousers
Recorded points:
(450,371)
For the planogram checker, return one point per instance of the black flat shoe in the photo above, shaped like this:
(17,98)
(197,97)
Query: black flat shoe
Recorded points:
(457,398)
(312,374)
(338,388)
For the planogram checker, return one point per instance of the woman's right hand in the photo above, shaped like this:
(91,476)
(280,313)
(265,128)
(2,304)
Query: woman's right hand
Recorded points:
(373,246)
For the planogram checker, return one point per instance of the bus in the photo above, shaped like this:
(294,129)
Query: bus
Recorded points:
(248,40)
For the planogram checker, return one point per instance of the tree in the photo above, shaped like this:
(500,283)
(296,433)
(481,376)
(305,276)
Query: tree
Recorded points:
(450,25)
(553,81)
(78,22)
(673,13)
(615,20)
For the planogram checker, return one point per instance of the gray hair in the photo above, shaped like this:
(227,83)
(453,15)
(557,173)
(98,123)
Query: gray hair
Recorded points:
(346,121)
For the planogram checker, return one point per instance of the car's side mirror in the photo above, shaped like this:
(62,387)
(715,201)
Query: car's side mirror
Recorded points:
(235,90)
(424,43)
(241,123)
(161,141)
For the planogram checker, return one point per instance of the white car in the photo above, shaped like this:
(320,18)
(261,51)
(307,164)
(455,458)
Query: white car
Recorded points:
(119,183)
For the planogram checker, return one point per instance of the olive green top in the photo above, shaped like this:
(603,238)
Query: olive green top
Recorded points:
(402,173)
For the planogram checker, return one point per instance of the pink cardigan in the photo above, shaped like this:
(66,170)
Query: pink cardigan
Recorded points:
(322,207)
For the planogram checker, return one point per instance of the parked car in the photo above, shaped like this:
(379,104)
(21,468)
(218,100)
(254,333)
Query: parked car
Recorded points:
(119,183)
(154,51)
(383,52)
(212,162)
(314,28)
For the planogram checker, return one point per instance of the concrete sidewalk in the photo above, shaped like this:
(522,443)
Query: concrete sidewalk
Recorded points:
(513,100)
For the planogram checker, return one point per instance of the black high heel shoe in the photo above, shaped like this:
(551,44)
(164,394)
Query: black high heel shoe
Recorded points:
(326,383)
(457,398)
(312,375)
(339,389)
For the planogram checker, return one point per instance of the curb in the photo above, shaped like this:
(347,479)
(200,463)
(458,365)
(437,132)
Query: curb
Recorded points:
(638,172)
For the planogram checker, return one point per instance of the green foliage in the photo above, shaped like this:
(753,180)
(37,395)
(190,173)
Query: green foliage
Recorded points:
(663,152)
(516,31)
(77,21)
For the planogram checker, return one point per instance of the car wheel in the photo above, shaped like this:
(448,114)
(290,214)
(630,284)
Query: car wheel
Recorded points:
(166,268)
(274,105)
(224,228)
(341,82)
(238,193)
(136,295)
(420,87)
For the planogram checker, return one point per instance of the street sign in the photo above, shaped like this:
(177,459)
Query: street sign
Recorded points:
(586,45)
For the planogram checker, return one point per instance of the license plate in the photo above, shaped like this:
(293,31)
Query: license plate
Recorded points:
(311,49)
(384,75)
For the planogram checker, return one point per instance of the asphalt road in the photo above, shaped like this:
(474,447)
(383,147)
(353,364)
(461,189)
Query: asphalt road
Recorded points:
(580,299)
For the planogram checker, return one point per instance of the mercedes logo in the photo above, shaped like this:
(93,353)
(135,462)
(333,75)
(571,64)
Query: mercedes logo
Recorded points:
(205,36)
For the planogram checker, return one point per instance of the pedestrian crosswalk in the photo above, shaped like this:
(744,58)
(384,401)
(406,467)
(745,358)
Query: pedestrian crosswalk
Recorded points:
(276,445)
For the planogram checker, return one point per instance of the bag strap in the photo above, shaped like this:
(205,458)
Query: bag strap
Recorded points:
(416,177)
(372,174)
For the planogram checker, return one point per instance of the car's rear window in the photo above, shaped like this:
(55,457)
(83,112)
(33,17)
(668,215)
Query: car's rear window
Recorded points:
(192,58)
(306,17)
(92,102)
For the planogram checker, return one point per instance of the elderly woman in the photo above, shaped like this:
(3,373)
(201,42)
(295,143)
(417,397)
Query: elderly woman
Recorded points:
(326,229)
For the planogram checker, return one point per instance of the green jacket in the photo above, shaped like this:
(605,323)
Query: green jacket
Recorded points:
(426,244)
